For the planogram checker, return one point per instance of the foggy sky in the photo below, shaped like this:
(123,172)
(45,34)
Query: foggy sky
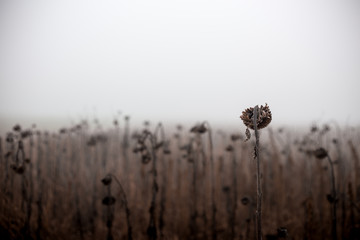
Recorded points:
(180,60)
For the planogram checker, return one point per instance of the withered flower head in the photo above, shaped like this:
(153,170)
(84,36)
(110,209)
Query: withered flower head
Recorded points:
(19,169)
(10,137)
(245,201)
(198,128)
(229,148)
(313,128)
(91,142)
(109,200)
(331,198)
(235,137)
(106,180)
(62,130)
(325,129)
(26,133)
(282,232)
(17,128)
(320,153)
(136,150)
(145,158)
(226,189)
(263,119)
(167,151)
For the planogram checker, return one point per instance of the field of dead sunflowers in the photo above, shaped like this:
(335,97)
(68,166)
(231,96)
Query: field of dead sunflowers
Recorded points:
(178,182)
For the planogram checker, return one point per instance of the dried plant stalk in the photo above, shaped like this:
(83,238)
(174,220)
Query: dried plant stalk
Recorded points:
(258,176)
(321,153)
(257,118)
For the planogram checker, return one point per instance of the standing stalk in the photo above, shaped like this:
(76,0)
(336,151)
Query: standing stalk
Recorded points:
(152,232)
(31,191)
(127,209)
(258,176)
(334,201)
(257,118)
(235,193)
(148,155)
(41,188)
(193,207)
(212,181)
(125,146)
(321,153)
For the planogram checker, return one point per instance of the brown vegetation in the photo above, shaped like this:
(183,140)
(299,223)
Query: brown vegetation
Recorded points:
(146,183)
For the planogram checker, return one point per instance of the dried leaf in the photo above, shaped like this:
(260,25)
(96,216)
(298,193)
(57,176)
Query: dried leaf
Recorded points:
(247,134)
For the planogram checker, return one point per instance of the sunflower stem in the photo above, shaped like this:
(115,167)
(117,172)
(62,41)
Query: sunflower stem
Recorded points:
(258,175)
(334,203)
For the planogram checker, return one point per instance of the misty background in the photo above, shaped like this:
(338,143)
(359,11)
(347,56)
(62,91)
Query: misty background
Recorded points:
(178,61)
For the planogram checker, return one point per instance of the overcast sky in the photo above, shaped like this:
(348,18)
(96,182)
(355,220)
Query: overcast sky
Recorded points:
(180,60)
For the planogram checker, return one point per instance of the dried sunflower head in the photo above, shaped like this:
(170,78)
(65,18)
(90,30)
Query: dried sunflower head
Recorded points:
(229,148)
(109,200)
(107,180)
(320,153)
(200,128)
(245,201)
(235,137)
(263,119)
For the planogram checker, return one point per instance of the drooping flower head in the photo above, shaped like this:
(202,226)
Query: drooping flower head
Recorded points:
(320,153)
(263,119)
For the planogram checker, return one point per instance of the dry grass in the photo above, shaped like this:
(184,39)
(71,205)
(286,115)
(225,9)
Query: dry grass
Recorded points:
(198,188)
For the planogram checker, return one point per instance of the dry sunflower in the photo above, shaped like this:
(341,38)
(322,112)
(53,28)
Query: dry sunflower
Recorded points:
(263,119)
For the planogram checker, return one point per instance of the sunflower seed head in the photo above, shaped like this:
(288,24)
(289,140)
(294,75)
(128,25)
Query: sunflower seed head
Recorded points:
(17,128)
(320,153)
(106,180)
(263,119)
(331,198)
(109,200)
(229,148)
(18,168)
(199,129)
(62,130)
(145,158)
(235,137)
(245,201)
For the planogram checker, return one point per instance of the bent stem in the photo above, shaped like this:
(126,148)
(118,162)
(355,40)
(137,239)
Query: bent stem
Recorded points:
(127,209)
(258,175)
